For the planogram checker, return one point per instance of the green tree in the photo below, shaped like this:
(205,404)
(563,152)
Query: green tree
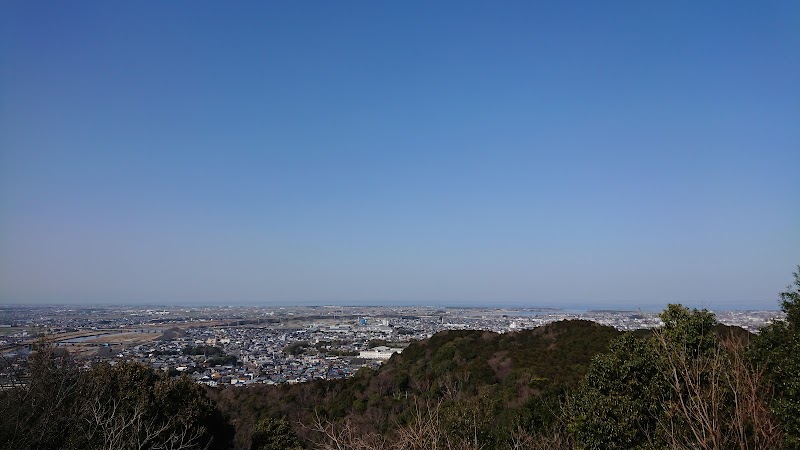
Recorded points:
(40,411)
(621,402)
(776,350)
(690,331)
(274,434)
(681,387)
(138,407)
(126,406)
(617,405)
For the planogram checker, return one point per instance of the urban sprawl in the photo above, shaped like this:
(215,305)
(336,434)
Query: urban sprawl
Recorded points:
(271,345)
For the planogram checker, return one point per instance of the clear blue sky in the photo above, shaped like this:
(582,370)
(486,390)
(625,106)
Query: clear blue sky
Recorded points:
(542,153)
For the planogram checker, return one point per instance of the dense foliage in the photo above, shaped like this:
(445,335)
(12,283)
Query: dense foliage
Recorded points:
(776,350)
(684,386)
(126,406)
(274,434)
(484,383)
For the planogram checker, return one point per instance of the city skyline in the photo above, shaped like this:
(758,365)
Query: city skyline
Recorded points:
(618,155)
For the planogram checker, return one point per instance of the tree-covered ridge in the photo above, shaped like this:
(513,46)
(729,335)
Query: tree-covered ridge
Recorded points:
(507,378)
(557,353)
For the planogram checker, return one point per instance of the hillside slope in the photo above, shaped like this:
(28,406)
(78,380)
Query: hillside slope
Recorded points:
(504,378)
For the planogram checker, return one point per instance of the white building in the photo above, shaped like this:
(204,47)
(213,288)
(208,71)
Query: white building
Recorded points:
(379,353)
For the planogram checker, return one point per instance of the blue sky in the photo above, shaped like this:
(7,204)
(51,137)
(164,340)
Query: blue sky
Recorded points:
(528,153)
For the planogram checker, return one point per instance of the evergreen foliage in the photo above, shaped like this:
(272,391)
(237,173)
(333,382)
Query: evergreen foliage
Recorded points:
(482,383)
(682,386)
(274,434)
(617,405)
(777,351)
(126,406)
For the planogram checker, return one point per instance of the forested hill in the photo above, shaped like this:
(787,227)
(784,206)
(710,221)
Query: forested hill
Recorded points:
(556,354)
(510,377)
(482,383)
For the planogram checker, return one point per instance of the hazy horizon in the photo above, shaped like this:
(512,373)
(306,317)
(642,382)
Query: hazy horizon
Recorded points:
(561,306)
(316,152)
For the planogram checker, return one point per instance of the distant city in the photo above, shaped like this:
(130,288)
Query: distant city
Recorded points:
(274,345)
